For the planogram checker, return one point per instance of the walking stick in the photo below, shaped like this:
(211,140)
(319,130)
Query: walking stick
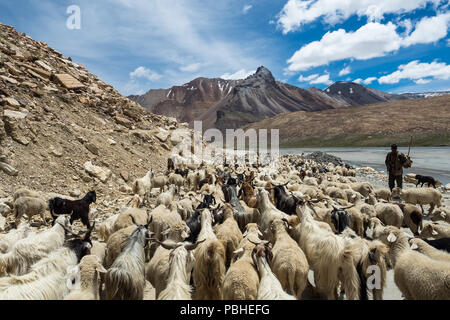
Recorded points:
(410,143)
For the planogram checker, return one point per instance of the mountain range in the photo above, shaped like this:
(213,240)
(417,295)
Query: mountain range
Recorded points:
(222,104)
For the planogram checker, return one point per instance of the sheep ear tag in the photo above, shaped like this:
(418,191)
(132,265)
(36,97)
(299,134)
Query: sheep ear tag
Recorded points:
(434,233)
(391,238)
(414,246)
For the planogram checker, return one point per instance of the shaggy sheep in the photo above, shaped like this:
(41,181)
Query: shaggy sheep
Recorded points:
(116,243)
(185,208)
(46,280)
(327,256)
(23,192)
(90,269)
(163,219)
(176,180)
(8,240)
(30,207)
(157,270)
(143,186)
(435,231)
(362,187)
(389,214)
(166,198)
(27,251)
(384,194)
(412,217)
(228,233)
(159,182)
(421,246)
(417,276)
(420,196)
(441,214)
(181,263)
(269,287)
(289,262)
(241,281)
(106,227)
(125,218)
(125,280)
(209,268)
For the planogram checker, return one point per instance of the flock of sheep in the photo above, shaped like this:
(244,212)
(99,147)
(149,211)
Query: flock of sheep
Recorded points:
(232,232)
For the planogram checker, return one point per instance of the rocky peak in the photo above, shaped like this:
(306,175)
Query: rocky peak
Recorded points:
(261,78)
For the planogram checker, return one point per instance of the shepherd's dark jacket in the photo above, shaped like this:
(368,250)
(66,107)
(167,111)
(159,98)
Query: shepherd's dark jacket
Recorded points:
(395,162)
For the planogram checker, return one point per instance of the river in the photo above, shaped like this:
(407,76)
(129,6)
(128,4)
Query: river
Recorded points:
(429,161)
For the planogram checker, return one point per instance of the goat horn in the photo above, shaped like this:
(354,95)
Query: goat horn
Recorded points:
(68,230)
(167,246)
(193,246)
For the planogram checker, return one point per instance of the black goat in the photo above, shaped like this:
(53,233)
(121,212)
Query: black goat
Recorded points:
(425,179)
(170,165)
(241,216)
(78,209)
(182,173)
(440,244)
(283,202)
(208,201)
(340,219)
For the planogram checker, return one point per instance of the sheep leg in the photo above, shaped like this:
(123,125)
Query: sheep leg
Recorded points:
(431,208)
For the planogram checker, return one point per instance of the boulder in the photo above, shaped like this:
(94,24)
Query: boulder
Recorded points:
(103,174)
(162,135)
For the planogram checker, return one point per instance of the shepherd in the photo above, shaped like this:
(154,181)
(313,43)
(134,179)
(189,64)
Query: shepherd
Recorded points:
(395,162)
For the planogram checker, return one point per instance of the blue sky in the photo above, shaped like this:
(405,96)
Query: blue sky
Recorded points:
(137,45)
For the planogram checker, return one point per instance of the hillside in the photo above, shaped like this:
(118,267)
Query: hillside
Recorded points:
(428,120)
(353,94)
(63,130)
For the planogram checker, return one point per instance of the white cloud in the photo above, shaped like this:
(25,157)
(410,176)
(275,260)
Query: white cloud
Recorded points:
(297,13)
(370,41)
(238,75)
(417,71)
(247,8)
(191,67)
(358,81)
(422,81)
(345,71)
(142,72)
(428,30)
(369,80)
(308,78)
(316,79)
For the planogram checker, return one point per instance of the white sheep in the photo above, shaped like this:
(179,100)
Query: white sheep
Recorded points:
(23,192)
(420,196)
(269,287)
(29,206)
(289,262)
(143,186)
(241,281)
(327,256)
(166,198)
(90,269)
(157,270)
(435,231)
(441,214)
(421,246)
(8,240)
(389,214)
(125,280)
(417,276)
(209,268)
(181,263)
(106,228)
(33,248)
(384,194)
(162,219)
(176,180)
(228,233)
